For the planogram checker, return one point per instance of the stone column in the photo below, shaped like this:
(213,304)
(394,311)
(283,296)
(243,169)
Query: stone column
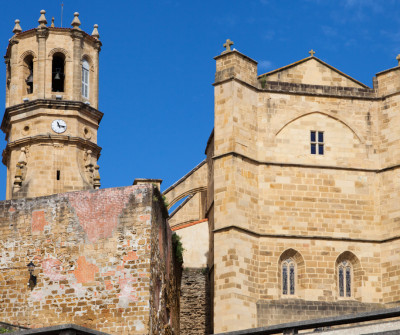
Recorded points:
(40,76)
(77,37)
(14,88)
(95,99)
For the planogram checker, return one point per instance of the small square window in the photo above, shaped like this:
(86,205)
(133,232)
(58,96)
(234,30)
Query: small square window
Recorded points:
(317,141)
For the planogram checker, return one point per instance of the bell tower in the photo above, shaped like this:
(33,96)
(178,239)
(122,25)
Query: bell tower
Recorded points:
(51,117)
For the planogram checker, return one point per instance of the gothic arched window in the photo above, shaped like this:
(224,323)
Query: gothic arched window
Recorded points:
(345,275)
(288,277)
(85,79)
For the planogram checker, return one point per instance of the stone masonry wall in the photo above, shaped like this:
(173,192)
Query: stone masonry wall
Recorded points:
(95,260)
(195,312)
(290,310)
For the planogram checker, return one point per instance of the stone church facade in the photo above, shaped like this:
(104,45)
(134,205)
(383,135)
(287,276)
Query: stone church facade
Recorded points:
(300,191)
(294,213)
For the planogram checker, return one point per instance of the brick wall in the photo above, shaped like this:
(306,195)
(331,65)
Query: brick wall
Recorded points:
(103,260)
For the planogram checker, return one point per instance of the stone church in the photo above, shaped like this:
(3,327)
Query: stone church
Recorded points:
(294,213)
(295,210)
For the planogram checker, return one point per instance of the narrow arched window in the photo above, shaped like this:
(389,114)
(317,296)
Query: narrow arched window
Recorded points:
(58,74)
(288,277)
(344,279)
(28,73)
(85,79)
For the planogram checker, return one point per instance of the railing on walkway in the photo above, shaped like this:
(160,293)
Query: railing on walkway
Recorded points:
(319,324)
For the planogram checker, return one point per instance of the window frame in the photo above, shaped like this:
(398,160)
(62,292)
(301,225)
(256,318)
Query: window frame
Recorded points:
(345,284)
(317,144)
(85,79)
(288,267)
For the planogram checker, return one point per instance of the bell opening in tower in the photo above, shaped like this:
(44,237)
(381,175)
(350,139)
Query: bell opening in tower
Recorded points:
(28,73)
(58,76)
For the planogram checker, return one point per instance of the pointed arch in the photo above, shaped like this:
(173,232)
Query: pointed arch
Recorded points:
(348,275)
(327,115)
(291,273)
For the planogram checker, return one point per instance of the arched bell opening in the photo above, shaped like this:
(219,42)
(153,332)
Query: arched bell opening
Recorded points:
(28,74)
(58,72)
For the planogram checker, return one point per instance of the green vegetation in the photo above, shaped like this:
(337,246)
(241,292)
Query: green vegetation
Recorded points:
(178,247)
(4,330)
(166,204)
(263,82)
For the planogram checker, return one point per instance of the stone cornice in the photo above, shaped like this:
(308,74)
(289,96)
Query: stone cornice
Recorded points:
(304,237)
(49,138)
(308,166)
(309,90)
(83,108)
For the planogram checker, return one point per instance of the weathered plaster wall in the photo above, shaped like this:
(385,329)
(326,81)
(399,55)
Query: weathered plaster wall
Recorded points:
(98,255)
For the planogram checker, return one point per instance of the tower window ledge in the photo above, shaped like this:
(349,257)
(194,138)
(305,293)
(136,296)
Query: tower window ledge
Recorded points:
(57,96)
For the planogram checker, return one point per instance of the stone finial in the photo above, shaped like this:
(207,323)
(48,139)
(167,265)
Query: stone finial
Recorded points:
(227,46)
(311,52)
(42,19)
(75,22)
(95,32)
(17,28)
(52,22)
(398,59)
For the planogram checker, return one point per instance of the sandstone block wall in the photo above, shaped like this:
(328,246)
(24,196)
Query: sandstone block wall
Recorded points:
(104,260)
(313,72)
(271,198)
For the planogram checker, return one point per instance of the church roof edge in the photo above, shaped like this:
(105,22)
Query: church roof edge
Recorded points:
(388,70)
(237,52)
(33,30)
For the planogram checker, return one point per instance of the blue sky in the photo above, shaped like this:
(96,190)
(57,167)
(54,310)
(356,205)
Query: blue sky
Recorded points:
(157,67)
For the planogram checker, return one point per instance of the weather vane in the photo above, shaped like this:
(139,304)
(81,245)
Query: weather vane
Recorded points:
(62,7)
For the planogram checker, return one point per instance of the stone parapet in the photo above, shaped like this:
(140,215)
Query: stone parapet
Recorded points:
(291,310)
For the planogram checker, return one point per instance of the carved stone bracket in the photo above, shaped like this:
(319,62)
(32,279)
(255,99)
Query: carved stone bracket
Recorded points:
(20,172)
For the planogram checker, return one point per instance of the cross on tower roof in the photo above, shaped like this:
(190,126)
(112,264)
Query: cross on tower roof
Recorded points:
(311,52)
(227,45)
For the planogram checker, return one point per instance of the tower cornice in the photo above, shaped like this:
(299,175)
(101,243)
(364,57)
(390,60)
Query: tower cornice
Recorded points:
(50,138)
(83,108)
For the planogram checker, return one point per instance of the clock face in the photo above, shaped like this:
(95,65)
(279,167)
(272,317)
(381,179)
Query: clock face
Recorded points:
(59,126)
